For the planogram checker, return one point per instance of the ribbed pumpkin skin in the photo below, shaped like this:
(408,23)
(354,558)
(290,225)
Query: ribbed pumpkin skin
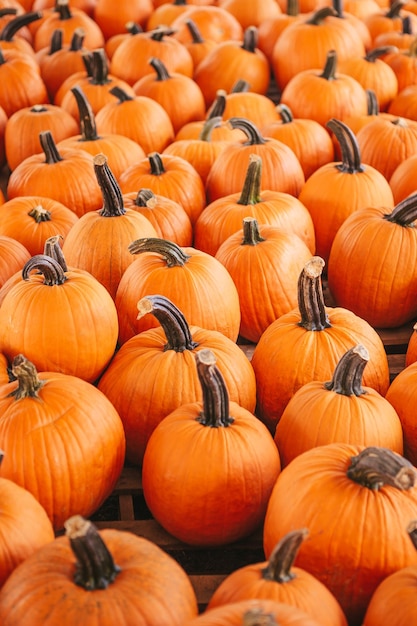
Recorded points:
(72,440)
(411,354)
(202,289)
(141,407)
(233,614)
(72,327)
(311,355)
(349,524)
(402,395)
(13,256)
(222,480)
(151,588)
(25,526)
(16,222)
(394,600)
(371,268)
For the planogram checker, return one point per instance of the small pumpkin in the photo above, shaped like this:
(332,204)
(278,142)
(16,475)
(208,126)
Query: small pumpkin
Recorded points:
(401,394)
(13,256)
(254,612)
(194,503)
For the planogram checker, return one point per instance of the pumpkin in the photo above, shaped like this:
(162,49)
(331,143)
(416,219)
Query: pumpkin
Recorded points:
(411,353)
(71,170)
(305,44)
(130,60)
(194,503)
(230,61)
(402,180)
(270,30)
(353,500)
(112,18)
(168,217)
(22,84)
(166,13)
(10,38)
(254,612)
(168,175)
(163,354)
(120,151)
(85,5)
(264,262)
(388,19)
(13,256)
(199,285)
(307,343)
(281,169)
(309,141)
(242,102)
(198,46)
(253,13)
(24,528)
(112,228)
(404,64)
(401,395)
(31,220)
(280,580)
(177,93)
(81,333)
(21,137)
(140,118)
(377,284)
(339,188)
(341,409)
(403,105)
(100,574)
(223,217)
(393,600)
(73,427)
(341,95)
(212,21)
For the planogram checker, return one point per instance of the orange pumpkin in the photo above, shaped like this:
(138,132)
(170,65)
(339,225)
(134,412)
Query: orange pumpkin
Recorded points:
(22,84)
(339,410)
(196,282)
(13,256)
(166,354)
(100,575)
(259,611)
(401,394)
(112,18)
(411,354)
(205,514)
(73,427)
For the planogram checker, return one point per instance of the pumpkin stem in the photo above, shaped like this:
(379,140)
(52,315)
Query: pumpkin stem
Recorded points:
(251,192)
(95,567)
(219,105)
(160,32)
(18,22)
(99,68)
(310,296)
(320,15)
(194,31)
(349,147)
(173,255)
(395,8)
(250,39)
(145,198)
(253,134)
(292,8)
(240,86)
(375,467)
(156,163)
(52,248)
(378,52)
(172,320)
(372,100)
(257,617)
(412,532)
(77,40)
(215,411)
(53,274)
(208,126)
(57,39)
(329,70)
(120,94)
(26,375)
(406,25)
(405,212)
(49,147)
(283,556)
(285,113)
(347,376)
(133,28)
(160,68)
(40,214)
(63,9)
(113,205)
(251,234)
(86,114)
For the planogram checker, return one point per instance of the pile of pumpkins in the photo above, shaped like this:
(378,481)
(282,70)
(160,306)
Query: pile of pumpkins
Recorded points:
(180,178)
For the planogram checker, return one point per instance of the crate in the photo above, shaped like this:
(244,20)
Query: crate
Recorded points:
(126,508)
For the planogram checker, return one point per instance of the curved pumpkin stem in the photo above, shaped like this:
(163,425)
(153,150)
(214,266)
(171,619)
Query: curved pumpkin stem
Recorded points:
(26,375)
(14,25)
(86,114)
(349,147)
(251,192)
(160,69)
(310,296)
(120,94)
(209,125)
(173,255)
(172,320)
(52,248)
(405,212)
(283,556)
(156,163)
(215,413)
(95,567)
(347,377)
(285,113)
(53,274)
(251,234)
(253,134)
(378,52)
(320,15)
(49,147)
(145,198)
(113,205)
(375,467)
(372,101)
(160,32)
(218,107)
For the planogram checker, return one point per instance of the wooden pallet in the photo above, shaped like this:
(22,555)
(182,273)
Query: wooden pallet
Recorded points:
(126,508)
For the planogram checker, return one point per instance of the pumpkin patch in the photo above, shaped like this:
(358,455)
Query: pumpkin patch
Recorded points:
(181,179)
